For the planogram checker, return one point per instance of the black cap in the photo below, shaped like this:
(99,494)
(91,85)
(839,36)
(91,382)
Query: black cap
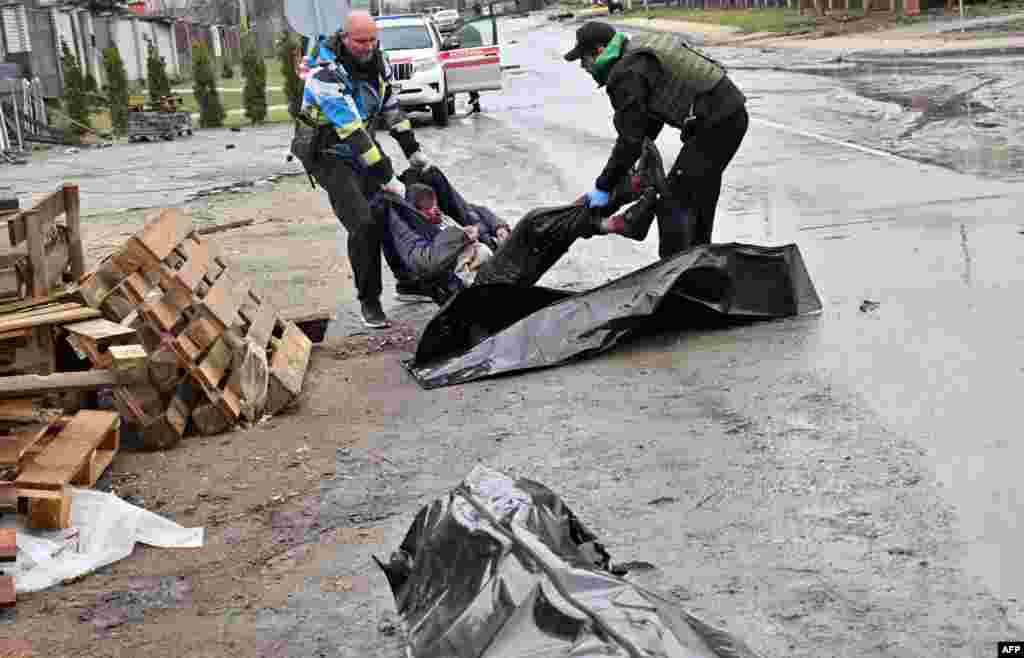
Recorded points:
(591,36)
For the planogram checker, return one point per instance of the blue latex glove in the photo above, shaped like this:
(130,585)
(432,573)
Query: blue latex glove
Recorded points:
(597,198)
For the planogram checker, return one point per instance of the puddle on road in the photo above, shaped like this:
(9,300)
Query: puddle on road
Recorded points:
(963,114)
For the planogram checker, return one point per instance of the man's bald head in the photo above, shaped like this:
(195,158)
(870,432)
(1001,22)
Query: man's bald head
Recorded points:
(360,35)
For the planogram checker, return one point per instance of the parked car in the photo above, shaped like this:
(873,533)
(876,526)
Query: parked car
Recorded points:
(430,69)
(447,20)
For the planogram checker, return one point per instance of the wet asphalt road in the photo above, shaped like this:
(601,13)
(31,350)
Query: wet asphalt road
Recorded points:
(899,181)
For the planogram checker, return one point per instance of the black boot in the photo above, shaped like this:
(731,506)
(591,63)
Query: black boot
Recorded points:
(636,221)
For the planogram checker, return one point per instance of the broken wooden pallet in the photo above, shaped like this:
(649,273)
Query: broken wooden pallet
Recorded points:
(94,338)
(77,456)
(175,283)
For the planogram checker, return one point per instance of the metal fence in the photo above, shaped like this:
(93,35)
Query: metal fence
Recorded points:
(22,116)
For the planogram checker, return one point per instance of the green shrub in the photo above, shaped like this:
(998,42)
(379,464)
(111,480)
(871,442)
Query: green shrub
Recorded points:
(117,90)
(254,94)
(76,98)
(204,86)
(156,75)
(227,70)
(287,53)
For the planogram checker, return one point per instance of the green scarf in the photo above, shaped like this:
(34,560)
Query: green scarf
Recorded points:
(603,64)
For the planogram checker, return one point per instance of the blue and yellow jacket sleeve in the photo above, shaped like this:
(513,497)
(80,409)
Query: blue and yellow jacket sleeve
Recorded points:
(329,97)
(327,101)
(395,119)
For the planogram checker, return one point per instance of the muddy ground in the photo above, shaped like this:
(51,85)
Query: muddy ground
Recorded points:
(811,530)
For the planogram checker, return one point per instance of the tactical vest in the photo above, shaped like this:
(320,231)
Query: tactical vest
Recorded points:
(687,74)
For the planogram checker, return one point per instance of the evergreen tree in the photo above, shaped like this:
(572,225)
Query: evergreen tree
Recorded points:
(156,75)
(76,98)
(117,89)
(288,53)
(254,95)
(204,86)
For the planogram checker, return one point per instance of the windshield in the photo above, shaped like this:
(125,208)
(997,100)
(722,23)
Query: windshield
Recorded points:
(406,37)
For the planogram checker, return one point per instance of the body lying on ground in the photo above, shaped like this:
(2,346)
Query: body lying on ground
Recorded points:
(446,244)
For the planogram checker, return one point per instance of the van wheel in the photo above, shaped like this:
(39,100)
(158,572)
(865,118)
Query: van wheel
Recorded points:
(440,111)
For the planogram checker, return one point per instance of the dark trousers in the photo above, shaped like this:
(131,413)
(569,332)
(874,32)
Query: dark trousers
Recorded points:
(348,193)
(687,217)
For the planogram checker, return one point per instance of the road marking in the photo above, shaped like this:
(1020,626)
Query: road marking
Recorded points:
(837,142)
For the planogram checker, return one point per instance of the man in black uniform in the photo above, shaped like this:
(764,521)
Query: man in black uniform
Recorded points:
(652,81)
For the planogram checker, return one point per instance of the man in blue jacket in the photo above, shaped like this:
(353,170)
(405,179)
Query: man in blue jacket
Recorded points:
(347,90)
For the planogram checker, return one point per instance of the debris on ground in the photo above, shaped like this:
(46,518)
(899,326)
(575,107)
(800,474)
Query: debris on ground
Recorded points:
(867,305)
(217,354)
(495,539)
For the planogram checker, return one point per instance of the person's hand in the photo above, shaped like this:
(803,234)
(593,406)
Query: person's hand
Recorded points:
(420,161)
(596,198)
(394,186)
(473,232)
(502,234)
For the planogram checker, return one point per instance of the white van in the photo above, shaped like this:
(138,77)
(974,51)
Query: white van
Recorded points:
(429,71)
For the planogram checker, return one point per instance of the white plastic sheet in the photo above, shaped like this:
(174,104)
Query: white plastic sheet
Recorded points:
(104,529)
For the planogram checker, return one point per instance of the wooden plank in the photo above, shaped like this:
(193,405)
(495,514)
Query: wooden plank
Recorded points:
(186,349)
(10,282)
(73,219)
(8,496)
(54,298)
(220,303)
(195,268)
(8,594)
(42,309)
(37,260)
(19,410)
(17,333)
(126,357)
(102,332)
(73,451)
(288,367)
(59,318)
(212,369)
(137,287)
(51,206)
(162,235)
(133,256)
(48,209)
(48,509)
(161,314)
(206,230)
(27,385)
(8,545)
(203,332)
